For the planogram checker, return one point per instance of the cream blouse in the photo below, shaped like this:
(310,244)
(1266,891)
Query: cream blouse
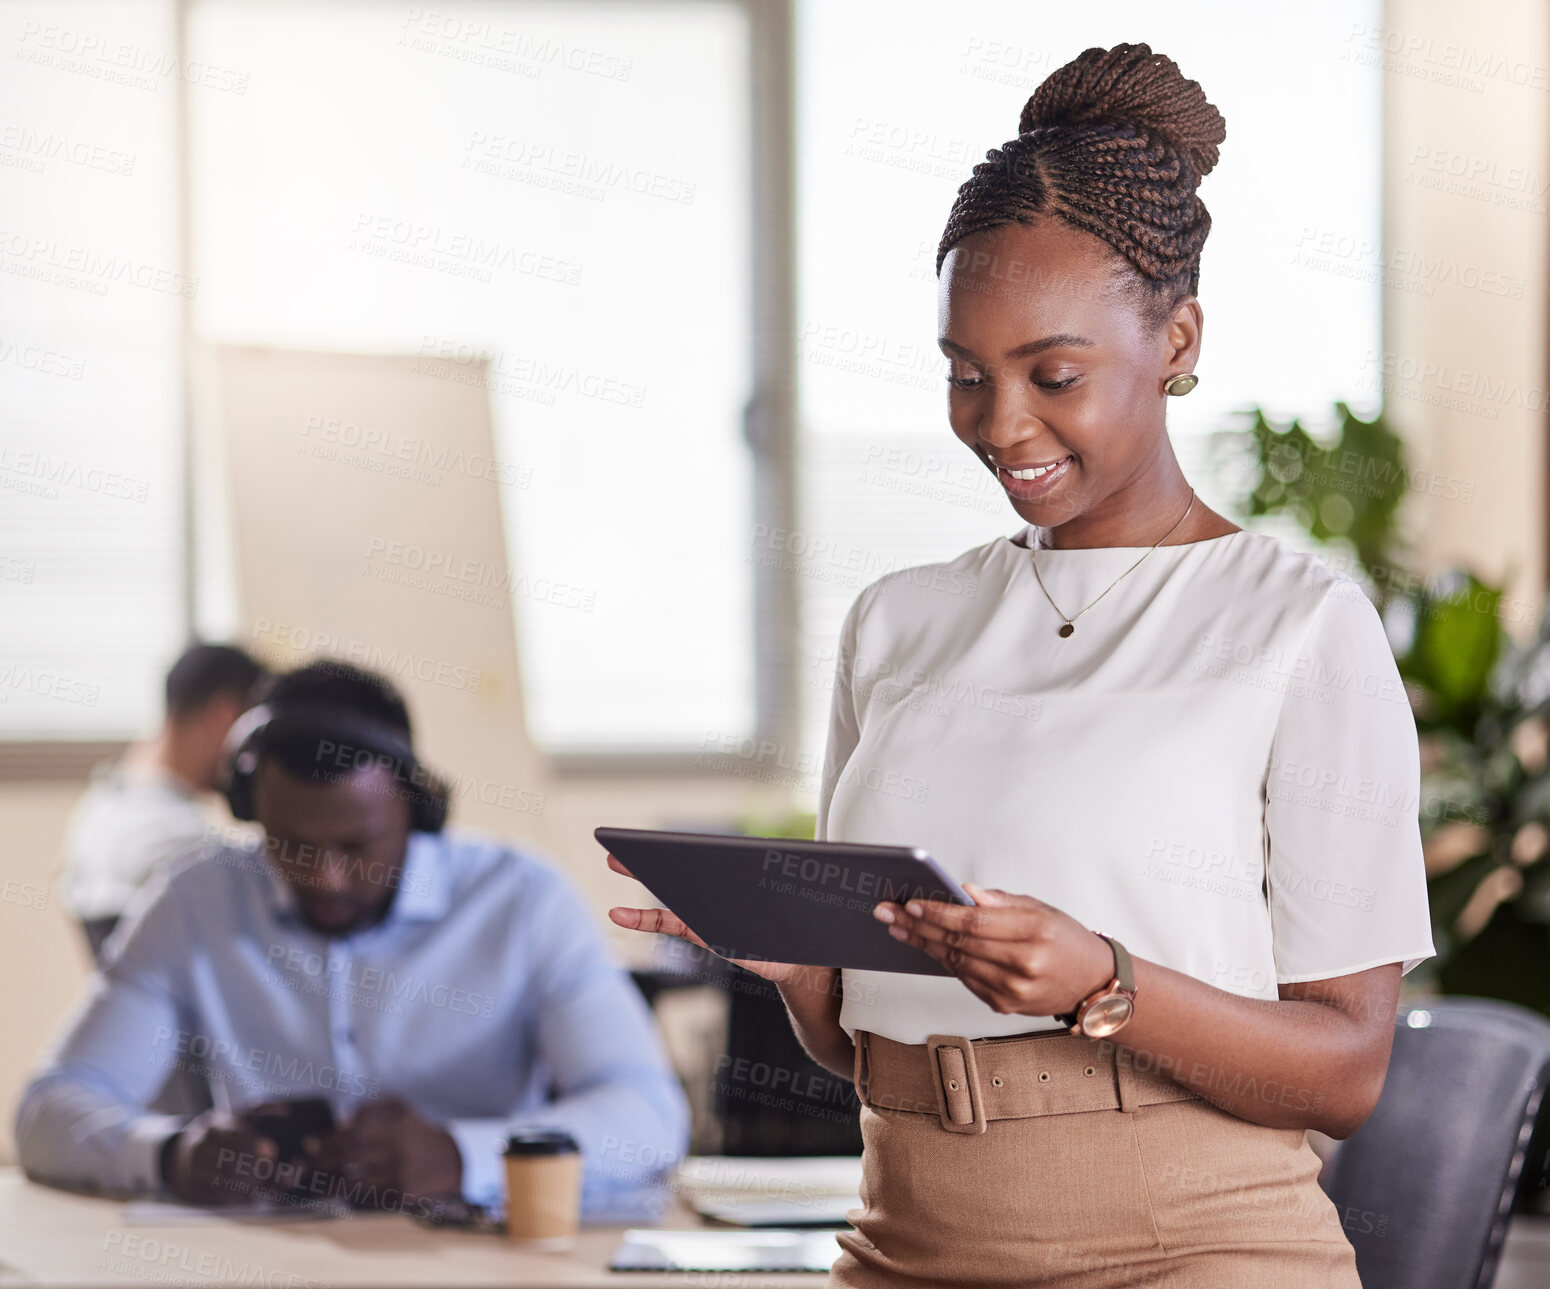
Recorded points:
(1219,767)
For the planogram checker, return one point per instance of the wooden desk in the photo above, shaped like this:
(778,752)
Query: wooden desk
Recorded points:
(54,1238)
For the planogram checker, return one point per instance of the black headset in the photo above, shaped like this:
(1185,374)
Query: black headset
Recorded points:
(357,742)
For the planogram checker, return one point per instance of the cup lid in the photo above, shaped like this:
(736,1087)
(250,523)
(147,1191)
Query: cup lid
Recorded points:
(541,1141)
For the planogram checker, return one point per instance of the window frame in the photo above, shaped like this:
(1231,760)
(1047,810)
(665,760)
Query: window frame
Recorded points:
(768,428)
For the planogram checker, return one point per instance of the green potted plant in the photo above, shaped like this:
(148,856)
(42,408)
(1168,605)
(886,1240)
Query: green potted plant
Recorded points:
(1481,701)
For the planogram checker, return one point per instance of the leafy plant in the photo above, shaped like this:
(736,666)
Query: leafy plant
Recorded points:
(798,825)
(1348,488)
(1481,702)
(1489,835)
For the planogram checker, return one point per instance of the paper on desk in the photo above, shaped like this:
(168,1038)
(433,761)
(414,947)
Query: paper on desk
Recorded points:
(798,1178)
(161,1213)
(756,1211)
(725,1251)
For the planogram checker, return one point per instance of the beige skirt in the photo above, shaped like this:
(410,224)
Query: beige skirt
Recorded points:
(1049,1160)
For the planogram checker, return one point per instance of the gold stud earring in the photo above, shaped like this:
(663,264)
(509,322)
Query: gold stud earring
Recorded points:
(1181,384)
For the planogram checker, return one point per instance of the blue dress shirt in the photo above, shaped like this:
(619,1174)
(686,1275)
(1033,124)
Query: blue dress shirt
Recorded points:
(486,998)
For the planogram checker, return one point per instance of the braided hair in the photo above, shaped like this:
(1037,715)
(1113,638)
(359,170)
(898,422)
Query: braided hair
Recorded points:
(1113,143)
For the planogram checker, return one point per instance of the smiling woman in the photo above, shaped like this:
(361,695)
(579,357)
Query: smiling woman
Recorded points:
(1068,311)
(1072,1107)
(1038,375)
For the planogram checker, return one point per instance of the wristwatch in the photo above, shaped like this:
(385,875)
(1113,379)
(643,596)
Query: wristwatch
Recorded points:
(1107,1010)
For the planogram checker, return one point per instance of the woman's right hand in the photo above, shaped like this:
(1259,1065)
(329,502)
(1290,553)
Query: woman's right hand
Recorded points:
(666,922)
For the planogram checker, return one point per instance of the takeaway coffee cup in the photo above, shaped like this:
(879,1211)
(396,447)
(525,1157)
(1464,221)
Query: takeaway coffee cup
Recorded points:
(543,1188)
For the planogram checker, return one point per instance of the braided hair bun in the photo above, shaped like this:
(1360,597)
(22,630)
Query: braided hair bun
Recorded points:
(1114,143)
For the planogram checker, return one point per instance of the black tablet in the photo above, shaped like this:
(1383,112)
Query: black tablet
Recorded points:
(787,901)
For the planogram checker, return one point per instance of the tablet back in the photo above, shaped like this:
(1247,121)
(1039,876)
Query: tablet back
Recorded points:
(787,901)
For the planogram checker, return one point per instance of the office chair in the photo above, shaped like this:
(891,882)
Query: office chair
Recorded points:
(772,1098)
(766,1096)
(1425,1187)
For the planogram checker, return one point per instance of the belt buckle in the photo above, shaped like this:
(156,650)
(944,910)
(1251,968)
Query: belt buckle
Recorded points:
(957,1048)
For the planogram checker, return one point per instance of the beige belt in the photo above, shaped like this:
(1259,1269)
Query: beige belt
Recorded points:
(968,1082)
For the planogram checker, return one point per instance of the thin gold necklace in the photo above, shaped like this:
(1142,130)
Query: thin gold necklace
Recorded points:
(1069,628)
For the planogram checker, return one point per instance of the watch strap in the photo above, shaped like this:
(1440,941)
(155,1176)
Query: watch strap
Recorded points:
(1124,972)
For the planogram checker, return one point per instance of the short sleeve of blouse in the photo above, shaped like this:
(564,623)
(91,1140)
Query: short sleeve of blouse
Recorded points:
(1345,877)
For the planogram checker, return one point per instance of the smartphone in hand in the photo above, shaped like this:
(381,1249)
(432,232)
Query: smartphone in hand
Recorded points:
(289,1123)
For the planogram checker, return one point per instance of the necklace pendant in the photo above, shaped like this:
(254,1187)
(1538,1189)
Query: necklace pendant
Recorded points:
(1067,630)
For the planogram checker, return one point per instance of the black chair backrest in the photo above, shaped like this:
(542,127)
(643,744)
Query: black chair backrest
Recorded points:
(1425,1187)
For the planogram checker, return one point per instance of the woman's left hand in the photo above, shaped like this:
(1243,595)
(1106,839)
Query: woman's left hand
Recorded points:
(1015,953)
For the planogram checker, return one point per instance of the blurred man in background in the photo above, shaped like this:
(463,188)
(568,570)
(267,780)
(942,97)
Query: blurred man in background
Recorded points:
(375,1003)
(144,809)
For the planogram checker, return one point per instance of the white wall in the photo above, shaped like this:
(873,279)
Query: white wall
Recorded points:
(1467,182)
